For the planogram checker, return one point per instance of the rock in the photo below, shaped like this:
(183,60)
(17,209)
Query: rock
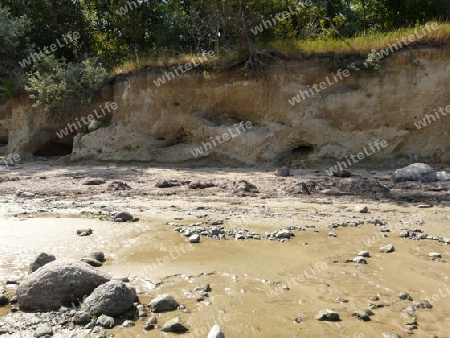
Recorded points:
(43,330)
(332,234)
(94,182)
(362,209)
(124,215)
(200,185)
(404,296)
(163,303)
(127,323)
(282,172)
(216,332)
(194,238)
(364,254)
(84,232)
(202,288)
(4,300)
(58,283)
(141,311)
(387,248)
(434,255)
(94,125)
(91,261)
(359,260)
(328,315)
(97,255)
(298,320)
(174,325)
(423,304)
(243,187)
(363,315)
(118,186)
(150,323)
(167,184)
(419,172)
(343,173)
(112,299)
(442,176)
(40,261)
(105,321)
(404,234)
(81,318)
(390,335)
(384,229)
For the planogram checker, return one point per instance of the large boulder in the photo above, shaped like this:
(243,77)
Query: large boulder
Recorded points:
(58,283)
(414,172)
(40,261)
(111,299)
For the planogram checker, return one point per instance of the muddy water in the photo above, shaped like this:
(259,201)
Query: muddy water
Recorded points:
(247,299)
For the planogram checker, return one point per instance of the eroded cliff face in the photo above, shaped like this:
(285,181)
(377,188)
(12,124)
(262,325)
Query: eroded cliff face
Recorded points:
(166,123)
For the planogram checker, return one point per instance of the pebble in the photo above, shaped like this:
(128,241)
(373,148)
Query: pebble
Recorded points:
(434,255)
(216,332)
(387,248)
(363,315)
(404,296)
(194,239)
(328,315)
(359,260)
(43,330)
(364,254)
(174,325)
(362,209)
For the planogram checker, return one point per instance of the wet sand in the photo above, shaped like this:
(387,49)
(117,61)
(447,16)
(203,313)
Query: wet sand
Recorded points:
(246,277)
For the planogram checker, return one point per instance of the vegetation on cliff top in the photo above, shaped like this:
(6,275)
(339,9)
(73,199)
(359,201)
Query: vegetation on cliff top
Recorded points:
(123,35)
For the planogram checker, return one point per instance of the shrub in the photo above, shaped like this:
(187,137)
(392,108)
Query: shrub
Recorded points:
(57,85)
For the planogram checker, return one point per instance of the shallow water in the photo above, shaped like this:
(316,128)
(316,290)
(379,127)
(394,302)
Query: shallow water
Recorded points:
(246,276)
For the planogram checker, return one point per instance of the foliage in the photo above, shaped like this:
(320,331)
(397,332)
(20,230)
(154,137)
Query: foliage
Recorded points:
(58,85)
(10,89)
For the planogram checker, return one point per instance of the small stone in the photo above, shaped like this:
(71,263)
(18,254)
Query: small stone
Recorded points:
(91,262)
(194,238)
(282,172)
(4,300)
(364,254)
(363,315)
(105,321)
(298,320)
(374,298)
(341,300)
(387,248)
(174,325)
(331,234)
(128,323)
(434,255)
(384,229)
(423,304)
(97,255)
(84,232)
(404,296)
(141,311)
(328,315)
(81,318)
(216,332)
(124,215)
(362,209)
(390,335)
(359,260)
(239,236)
(404,234)
(43,330)
(202,288)
(163,303)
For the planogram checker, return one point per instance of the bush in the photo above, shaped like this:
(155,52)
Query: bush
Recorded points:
(10,90)
(57,85)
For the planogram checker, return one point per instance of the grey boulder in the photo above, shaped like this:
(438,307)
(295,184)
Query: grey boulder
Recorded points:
(419,172)
(174,325)
(58,283)
(442,176)
(163,303)
(40,261)
(111,299)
